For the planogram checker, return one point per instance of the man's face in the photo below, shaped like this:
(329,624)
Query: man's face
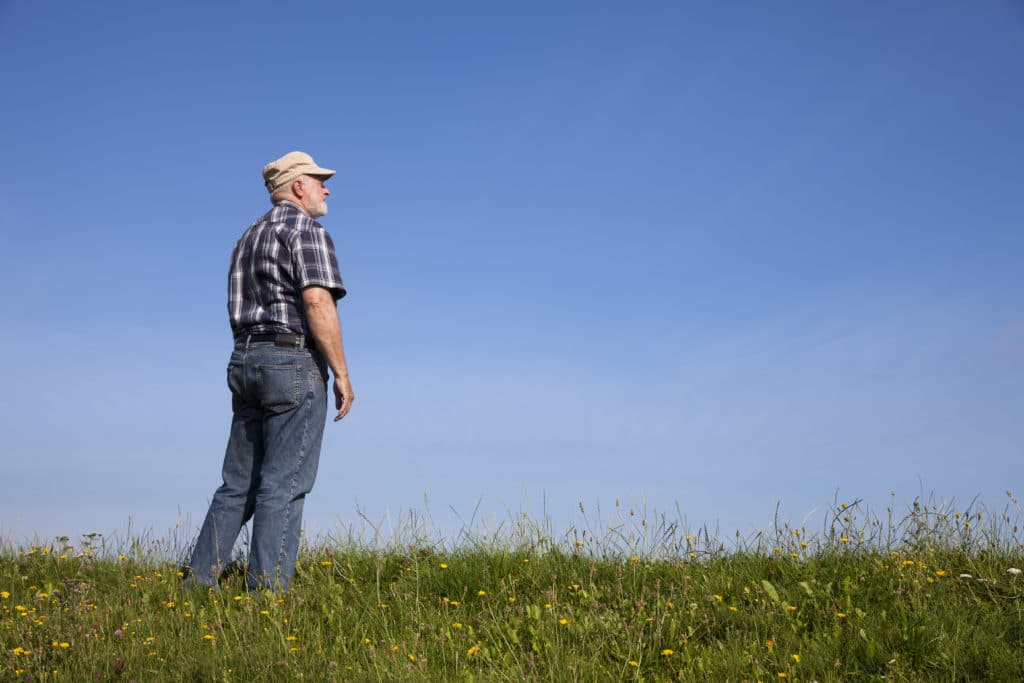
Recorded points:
(314,196)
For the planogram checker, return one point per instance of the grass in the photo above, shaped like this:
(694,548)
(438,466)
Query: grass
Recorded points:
(932,595)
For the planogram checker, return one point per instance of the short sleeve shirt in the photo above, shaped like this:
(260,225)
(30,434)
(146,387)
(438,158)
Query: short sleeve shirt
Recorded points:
(280,254)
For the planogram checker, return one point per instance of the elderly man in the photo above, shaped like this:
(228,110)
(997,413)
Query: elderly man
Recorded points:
(283,288)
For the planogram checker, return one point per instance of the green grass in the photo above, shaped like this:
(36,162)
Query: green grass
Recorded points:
(931,596)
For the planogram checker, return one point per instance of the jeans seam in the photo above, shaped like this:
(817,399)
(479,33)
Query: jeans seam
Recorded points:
(307,408)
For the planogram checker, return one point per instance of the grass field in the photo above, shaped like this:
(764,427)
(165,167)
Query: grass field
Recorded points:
(932,594)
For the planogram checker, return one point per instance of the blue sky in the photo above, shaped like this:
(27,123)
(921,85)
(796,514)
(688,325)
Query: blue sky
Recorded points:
(705,257)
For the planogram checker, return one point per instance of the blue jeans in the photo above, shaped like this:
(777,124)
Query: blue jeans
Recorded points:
(279,406)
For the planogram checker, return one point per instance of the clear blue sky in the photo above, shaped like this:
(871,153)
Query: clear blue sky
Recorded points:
(720,256)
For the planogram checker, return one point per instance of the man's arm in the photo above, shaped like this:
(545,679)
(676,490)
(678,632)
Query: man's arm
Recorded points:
(322,315)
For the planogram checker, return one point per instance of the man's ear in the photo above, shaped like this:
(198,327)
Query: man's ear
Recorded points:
(297,189)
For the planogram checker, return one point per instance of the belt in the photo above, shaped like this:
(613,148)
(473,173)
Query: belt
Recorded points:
(297,341)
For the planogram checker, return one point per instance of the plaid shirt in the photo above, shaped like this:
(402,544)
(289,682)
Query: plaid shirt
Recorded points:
(280,254)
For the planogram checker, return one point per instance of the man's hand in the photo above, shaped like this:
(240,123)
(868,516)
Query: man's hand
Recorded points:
(343,396)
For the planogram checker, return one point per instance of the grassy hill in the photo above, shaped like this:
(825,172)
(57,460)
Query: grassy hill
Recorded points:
(936,595)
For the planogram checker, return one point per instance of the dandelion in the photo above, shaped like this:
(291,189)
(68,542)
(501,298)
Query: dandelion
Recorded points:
(4,595)
(717,598)
(457,625)
(366,641)
(511,599)
(65,646)
(635,558)
(563,621)
(547,605)
(769,644)
(666,652)
(443,565)
(844,539)
(940,573)
(291,638)
(472,651)
(481,593)
(326,563)
(783,674)
(634,663)
(791,608)
(238,598)
(796,658)
(732,608)
(208,636)
(454,603)
(840,615)
(412,658)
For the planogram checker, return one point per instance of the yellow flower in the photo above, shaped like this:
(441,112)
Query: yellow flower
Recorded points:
(633,662)
(844,539)
(326,563)
(511,599)
(796,658)
(941,572)
(412,658)
(65,646)
(769,644)
(791,608)
(209,637)
(666,652)
(732,608)
(454,603)
(291,638)
(635,558)
(4,595)
(481,593)
(472,651)
(443,566)
(238,598)
(716,597)
(547,605)
(783,674)
(840,615)
(457,625)
(563,621)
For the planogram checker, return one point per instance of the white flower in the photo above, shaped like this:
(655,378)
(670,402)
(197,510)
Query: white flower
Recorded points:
(1013,570)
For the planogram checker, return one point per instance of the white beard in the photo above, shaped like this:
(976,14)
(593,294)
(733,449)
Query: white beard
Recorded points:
(318,210)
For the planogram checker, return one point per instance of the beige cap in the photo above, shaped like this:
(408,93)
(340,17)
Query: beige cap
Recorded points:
(289,167)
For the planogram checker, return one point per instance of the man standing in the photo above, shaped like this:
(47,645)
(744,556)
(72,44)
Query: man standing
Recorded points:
(283,288)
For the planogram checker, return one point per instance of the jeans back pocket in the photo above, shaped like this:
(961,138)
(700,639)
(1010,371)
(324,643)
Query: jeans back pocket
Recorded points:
(280,387)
